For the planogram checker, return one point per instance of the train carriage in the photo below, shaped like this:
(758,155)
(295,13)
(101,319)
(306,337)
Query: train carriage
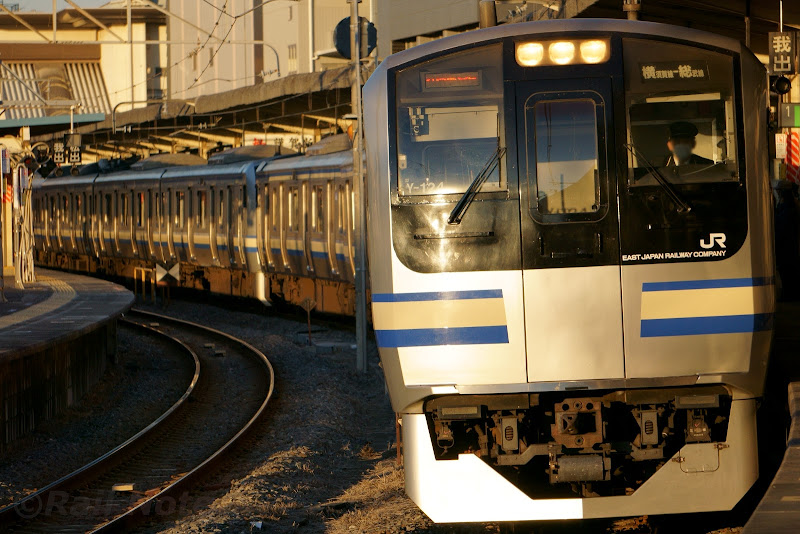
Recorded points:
(305,233)
(573,321)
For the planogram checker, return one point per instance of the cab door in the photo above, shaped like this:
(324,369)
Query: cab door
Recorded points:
(570,232)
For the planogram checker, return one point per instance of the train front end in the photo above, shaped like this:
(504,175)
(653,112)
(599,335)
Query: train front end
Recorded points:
(573,313)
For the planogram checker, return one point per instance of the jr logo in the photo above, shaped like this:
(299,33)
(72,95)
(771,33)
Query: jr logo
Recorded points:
(713,239)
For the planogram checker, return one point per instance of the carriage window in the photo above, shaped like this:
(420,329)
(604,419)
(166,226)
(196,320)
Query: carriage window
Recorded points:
(565,154)
(293,208)
(314,208)
(200,213)
(342,204)
(140,210)
(681,118)
(320,210)
(180,205)
(125,203)
(352,208)
(449,119)
(221,208)
(107,214)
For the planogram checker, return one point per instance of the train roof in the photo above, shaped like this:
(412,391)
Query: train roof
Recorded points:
(633,27)
(160,161)
(131,176)
(64,181)
(209,171)
(341,159)
(248,153)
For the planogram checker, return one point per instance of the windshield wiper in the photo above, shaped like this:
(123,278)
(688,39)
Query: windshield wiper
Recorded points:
(469,195)
(682,205)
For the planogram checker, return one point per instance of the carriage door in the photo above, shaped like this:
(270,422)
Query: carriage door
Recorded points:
(571,272)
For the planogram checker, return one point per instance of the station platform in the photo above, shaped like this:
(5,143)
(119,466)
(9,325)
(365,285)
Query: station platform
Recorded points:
(56,337)
(779,509)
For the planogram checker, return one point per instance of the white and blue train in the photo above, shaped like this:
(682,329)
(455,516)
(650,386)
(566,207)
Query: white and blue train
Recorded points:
(571,266)
(570,258)
(279,229)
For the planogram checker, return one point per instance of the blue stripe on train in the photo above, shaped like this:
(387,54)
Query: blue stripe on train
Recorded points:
(315,254)
(694,326)
(470,335)
(438,295)
(707,284)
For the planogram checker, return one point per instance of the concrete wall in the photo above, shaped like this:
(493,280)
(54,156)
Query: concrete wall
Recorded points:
(405,19)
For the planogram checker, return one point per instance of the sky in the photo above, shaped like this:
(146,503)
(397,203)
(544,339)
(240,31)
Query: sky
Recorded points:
(47,5)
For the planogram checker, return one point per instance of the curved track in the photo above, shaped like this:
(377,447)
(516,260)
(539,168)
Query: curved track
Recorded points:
(231,387)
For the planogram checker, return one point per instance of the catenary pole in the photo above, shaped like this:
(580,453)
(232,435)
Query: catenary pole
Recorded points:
(358,182)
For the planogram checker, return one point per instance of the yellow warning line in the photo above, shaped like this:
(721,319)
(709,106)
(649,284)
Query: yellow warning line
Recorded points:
(62,294)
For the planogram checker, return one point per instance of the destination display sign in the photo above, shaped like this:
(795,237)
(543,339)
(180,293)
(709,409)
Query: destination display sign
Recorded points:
(438,80)
(674,71)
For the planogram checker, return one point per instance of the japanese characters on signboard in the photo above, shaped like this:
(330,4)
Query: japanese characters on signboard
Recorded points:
(782,52)
(674,70)
(58,152)
(780,145)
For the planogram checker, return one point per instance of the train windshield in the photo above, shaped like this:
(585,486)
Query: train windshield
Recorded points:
(449,117)
(681,120)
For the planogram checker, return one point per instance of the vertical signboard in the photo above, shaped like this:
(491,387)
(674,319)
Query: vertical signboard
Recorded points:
(780,145)
(781,53)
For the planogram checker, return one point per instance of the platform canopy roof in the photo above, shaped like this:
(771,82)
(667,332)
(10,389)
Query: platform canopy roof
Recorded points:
(316,102)
(725,17)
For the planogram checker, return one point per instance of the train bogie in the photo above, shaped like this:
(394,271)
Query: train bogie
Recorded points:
(570,259)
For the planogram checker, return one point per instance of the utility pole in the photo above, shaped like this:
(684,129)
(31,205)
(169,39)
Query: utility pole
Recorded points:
(358,182)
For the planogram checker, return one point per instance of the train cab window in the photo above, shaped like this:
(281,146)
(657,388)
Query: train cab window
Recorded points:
(681,120)
(449,123)
(565,151)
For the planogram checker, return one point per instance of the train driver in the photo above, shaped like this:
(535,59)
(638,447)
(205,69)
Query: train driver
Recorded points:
(681,143)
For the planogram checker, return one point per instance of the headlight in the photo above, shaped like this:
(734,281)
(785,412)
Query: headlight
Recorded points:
(530,54)
(593,51)
(564,52)
(561,52)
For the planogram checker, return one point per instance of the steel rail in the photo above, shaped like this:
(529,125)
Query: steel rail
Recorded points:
(22,508)
(138,513)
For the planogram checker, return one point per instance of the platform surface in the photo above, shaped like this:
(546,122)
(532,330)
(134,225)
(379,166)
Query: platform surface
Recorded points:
(56,308)
(779,509)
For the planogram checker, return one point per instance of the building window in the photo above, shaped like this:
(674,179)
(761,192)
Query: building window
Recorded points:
(293,59)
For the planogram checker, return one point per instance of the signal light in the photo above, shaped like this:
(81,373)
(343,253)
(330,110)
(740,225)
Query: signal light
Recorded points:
(781,85)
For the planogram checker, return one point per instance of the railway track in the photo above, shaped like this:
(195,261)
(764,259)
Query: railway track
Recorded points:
(153,473)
